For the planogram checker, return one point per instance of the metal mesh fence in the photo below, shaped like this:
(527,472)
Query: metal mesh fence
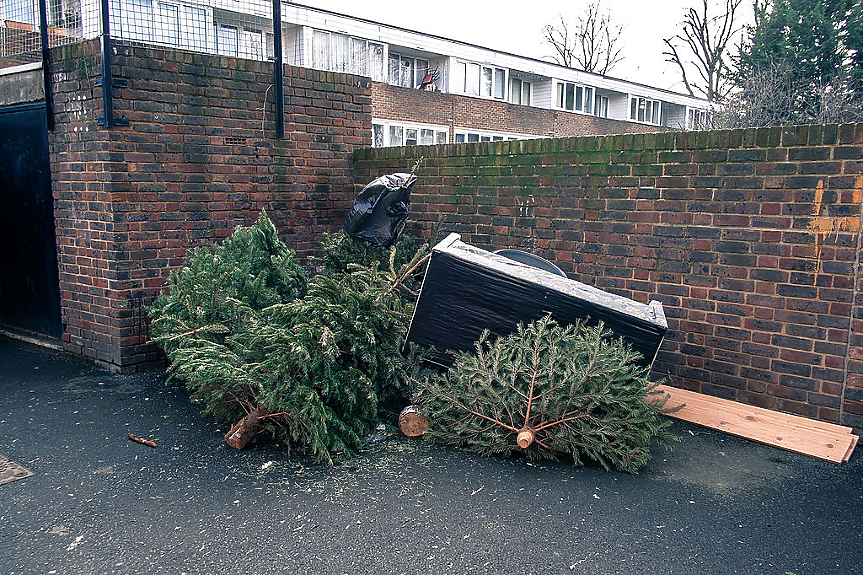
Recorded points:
(241,28)
(238,28)
(20,36)
(21,43)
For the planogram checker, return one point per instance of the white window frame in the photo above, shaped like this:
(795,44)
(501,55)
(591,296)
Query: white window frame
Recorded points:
(420,72)
(697,119)
(417,73)
(402,62)
(384,132)
(520,91)
(346,53)
(479,80)
(600,106)
(363,65)
(321,59)
(471,135)
(377,73)
(645,110)
(472,83)
(563,90)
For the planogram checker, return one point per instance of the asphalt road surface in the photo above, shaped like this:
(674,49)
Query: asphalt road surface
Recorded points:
(99,503)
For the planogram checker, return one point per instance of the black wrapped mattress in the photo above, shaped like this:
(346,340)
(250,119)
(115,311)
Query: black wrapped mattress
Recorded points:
(467,290)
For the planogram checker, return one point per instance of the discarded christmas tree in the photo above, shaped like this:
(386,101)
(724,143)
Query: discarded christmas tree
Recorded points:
(262,348)
(208,296)
(548,391)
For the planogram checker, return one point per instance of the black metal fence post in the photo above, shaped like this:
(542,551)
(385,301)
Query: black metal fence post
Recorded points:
(107,81)
(278,69)
(46,65)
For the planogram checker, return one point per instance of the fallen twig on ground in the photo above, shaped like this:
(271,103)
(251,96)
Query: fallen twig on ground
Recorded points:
(142,441)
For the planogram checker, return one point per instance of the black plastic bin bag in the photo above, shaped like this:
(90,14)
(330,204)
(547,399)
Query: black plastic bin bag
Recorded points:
(380,210)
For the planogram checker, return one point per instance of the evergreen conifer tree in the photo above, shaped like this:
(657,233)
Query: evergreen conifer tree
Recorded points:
(339,251)
(310,361)
(802,63)
(548,391)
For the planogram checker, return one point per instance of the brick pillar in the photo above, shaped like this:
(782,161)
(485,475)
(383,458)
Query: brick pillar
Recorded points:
(198,158)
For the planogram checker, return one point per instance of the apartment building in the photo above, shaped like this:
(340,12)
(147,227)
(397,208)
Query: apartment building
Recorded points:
(426,89)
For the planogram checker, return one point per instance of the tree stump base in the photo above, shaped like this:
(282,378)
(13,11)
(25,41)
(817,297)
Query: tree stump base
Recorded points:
(525,437)
(411,423)
(244,430)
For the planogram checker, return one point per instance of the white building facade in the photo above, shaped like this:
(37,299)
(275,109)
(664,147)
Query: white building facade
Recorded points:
(388,55)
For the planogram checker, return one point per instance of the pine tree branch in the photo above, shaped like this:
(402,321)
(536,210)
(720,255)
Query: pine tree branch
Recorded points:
(513,374)
(572,418)
(534,373)
(516,390)
(454,423)
(481,431)
(400,281)
(245,404)
(585,372)
(506,407)
(417,165)
(544,446)
(187,333)
(476,413)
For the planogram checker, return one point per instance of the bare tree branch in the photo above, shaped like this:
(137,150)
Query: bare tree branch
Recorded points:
(772,96)
(706,39)
(558,36)
(675,58)
(592,44)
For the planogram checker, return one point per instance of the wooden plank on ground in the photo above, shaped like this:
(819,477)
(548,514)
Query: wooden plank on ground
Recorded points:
(821,443)
(822,440)
(747,414)
(850,449)
(691,398)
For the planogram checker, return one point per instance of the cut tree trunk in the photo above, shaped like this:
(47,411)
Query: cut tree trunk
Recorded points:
(244,430)
(525,437)
(412,423)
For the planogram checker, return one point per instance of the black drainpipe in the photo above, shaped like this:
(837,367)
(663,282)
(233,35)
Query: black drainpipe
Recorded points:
(106,81)
(278,69)
(46,66)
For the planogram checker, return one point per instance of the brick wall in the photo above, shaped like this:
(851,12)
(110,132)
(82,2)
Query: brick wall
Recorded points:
(453,110)
(198,158)
(749,238)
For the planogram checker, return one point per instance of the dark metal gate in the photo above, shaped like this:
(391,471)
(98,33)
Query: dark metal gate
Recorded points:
(29,286)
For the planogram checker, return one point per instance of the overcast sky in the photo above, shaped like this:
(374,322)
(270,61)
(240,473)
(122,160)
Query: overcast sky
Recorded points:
(516,27)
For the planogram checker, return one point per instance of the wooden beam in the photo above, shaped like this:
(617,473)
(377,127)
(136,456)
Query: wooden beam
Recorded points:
(819,439)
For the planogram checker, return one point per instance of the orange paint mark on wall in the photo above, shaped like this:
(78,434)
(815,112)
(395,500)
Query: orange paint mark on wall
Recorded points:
(826,225)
